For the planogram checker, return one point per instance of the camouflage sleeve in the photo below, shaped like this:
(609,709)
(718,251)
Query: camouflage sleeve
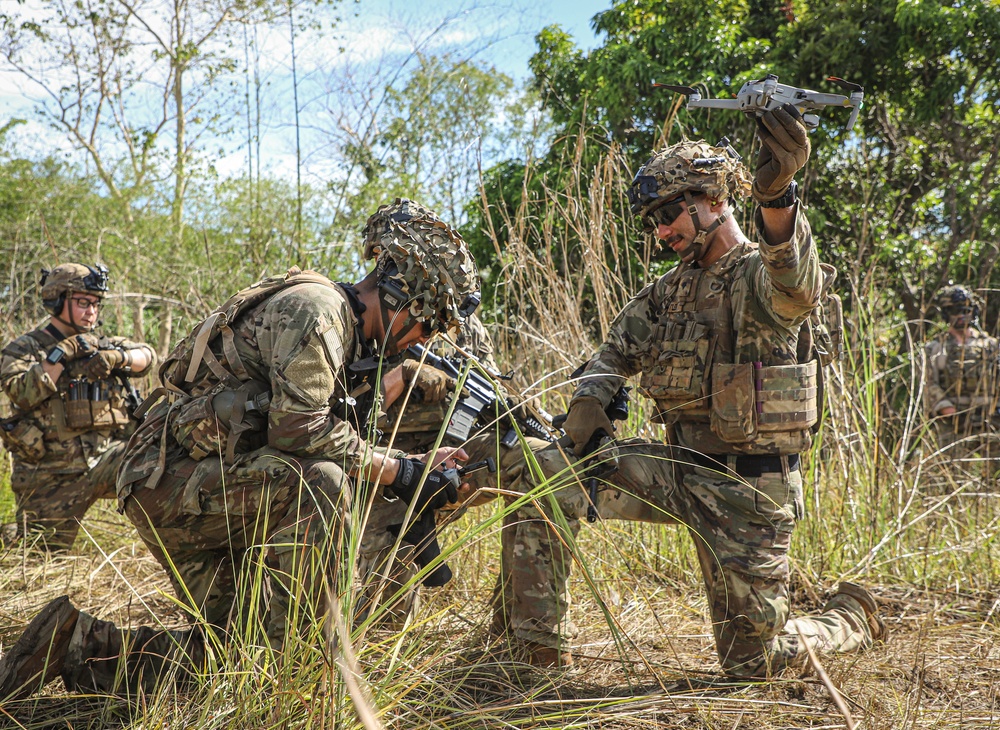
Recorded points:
(788,284)
(484,348)
(22,377)
(310,326)
(934,395)
(619,355)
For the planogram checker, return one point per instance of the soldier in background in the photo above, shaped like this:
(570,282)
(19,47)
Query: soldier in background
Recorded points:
(960,389)
(260,451)
(715,341)
(68,391)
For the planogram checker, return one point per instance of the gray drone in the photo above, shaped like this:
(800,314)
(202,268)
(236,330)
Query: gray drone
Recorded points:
(757,97)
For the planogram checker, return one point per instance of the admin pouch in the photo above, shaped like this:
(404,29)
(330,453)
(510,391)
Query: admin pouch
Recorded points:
(676,378)
(750,399)
(23,438)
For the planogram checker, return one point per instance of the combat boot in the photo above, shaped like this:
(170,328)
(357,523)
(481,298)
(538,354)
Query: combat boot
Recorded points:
(867,602)
(38,656)
(541,656)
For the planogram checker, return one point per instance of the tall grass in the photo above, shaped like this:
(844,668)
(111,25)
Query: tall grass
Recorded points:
(884,507)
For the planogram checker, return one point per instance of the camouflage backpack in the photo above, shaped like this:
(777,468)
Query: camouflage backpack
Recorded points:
(195,418)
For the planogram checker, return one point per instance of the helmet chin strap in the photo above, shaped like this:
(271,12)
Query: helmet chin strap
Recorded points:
(697,250)
(391,341)
(80,329)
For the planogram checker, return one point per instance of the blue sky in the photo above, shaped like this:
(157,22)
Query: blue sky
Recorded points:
(373,38)
(513,23)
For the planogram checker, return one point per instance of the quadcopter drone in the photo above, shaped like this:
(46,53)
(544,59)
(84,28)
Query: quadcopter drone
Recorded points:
(757,97)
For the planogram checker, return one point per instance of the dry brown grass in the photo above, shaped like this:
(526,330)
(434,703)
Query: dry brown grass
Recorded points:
(939,669)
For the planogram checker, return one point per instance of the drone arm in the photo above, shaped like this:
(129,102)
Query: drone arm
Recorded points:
(714,103)
(854,116)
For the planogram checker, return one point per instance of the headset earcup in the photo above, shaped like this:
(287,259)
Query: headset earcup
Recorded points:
(54,306)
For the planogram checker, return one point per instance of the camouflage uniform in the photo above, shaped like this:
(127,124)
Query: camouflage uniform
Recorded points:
(67,437)
(414,426)
(716,348)
(963,375)
(280,498)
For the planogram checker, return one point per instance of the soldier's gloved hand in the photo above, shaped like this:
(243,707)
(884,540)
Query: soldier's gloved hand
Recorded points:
(436,492)
(102,363)
(586,416)
(784,151)
(74,348)
(432,384)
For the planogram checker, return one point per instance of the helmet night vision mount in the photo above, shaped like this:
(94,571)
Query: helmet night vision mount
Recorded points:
(757,97)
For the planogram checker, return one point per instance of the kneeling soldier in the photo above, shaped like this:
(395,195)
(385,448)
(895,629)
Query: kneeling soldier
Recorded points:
(256,453)
(715,340)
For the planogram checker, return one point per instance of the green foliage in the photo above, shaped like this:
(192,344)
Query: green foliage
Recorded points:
(434,129)
(238,231)
(913,187)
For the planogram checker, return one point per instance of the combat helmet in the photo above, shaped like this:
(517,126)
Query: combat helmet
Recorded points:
(425,268)
(683,169)
(67,278)
(955,298)
(399,210)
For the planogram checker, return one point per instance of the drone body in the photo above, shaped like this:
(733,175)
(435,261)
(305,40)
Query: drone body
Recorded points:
(757,97)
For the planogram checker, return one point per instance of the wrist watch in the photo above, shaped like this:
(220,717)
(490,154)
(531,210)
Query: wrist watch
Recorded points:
(56,354)
(787,200)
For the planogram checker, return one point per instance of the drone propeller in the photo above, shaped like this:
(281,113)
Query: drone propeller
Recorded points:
(679,89)
(846,85)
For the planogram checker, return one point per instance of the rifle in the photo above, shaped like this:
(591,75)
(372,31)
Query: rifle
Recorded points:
(131,396)
(481,404)
(422,532)
(617,410)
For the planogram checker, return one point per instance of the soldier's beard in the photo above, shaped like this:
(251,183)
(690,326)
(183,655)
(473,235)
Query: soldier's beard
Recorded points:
(693,253)
(961,322)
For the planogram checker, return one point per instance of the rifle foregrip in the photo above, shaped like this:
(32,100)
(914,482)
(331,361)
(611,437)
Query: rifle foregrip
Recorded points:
(423,534)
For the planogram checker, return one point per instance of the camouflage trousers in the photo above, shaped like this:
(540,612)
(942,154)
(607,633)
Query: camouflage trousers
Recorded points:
(51,503)
(742,530)
(261,543)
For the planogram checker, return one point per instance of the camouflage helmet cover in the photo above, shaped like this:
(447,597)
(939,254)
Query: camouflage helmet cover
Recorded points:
(432,266)
(399,210)
(688,165)
(956,296)
(66,278)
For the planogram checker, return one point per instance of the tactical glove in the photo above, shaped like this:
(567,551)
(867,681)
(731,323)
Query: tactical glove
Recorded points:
(586,417)
(438,490)
(73,348)
(432,385)
(784,150)
(102,363)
